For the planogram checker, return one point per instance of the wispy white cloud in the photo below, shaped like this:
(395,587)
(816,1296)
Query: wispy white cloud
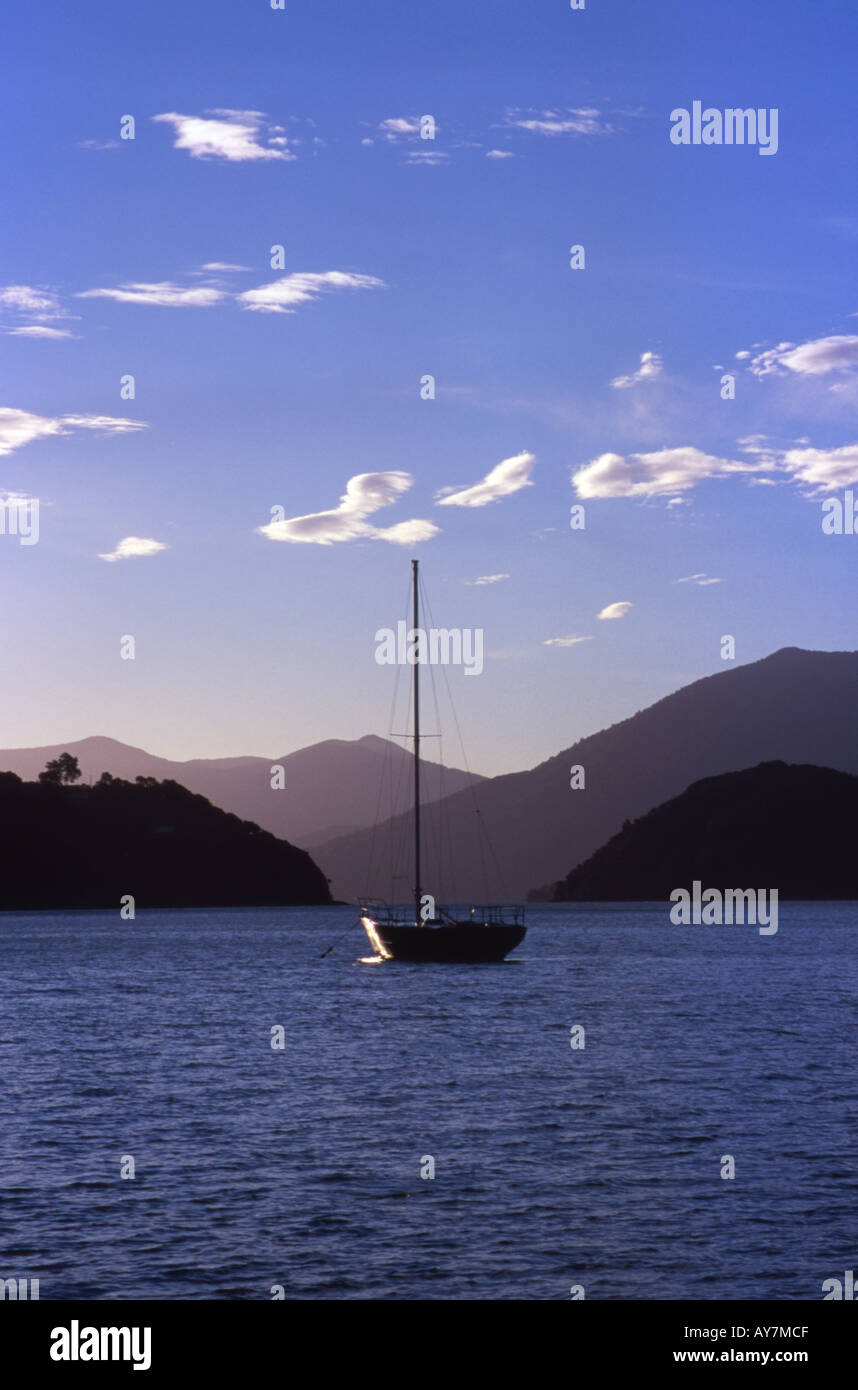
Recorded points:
(282,296)
(674,471)
(35,302)
(487,579)
(102,424)
(38,330)
(500,154)
(225,134)
(661,473)
(650,368)
(571,641)
(15,499)
(98,145)
(365,494)
(507,477)
(164,294)
(700,579)
(20,427)
(428,156)
(758,446)
(817,357)
(570,120)
(131,546)
(797,461)
(407,128)
(416,134)
(399,127)
(614,610)
(823,470)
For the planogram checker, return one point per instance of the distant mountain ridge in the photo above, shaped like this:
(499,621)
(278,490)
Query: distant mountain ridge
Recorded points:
(330,787)
(771,826)
(794,706)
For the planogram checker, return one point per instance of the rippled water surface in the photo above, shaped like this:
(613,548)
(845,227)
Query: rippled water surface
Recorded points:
(301,1167)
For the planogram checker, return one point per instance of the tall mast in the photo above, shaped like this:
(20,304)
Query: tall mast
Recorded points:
(418,651)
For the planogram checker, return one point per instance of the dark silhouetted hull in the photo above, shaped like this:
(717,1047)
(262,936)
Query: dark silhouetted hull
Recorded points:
(448,943)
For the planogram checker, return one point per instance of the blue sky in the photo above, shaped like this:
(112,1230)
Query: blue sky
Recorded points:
(406,257)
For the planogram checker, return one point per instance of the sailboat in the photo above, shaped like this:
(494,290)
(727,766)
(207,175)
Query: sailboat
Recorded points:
(424,933)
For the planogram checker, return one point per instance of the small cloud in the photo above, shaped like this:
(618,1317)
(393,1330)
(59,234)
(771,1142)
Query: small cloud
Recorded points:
(700,579)
(283,295)
(614,610)
(15,499)
(487,579)
(397,128)
(224,134)
(649,369)
(132,546)
(573,120)
(279,297)
(20,427)
(36,302)
(405,532)
(429,156)
(38,330)
(818,357)
(665,471)
(823,470)
(417,134)
(102,424)
(98,145)
(499,154)
(163,294)
(757,445)
(27,299)
(565,641)
(507,477)
(365,494)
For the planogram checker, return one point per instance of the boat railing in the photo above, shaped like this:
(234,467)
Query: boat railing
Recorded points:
(502,914)
(402,915)
(490,914)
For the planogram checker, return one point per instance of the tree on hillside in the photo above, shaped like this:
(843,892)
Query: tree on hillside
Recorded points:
(64,769)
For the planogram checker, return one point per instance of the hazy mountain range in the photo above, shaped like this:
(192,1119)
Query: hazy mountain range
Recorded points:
(772,826)
(330,788)
(794,706)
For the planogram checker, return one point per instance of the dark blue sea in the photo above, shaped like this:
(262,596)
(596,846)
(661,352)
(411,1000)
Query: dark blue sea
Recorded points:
(597,1167)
